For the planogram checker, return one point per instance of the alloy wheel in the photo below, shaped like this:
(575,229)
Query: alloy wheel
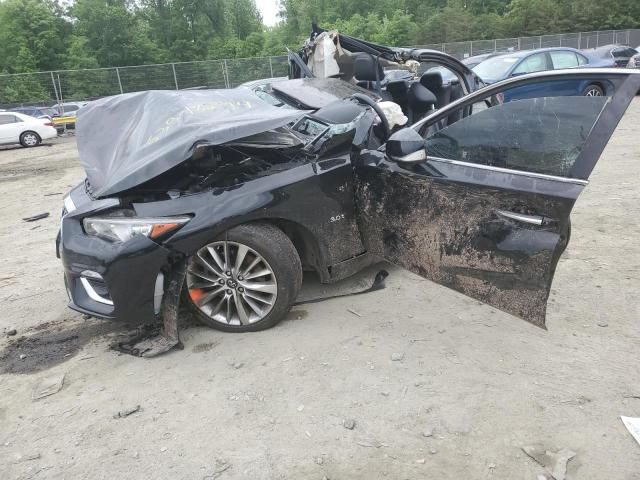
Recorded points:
(593,92)
(30,139)
(231,283)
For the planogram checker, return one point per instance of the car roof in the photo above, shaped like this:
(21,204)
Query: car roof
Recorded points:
(483,56)
(21,116)
(28,107)
(526,53)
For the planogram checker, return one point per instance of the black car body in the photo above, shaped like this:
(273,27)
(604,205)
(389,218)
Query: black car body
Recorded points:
(476,195)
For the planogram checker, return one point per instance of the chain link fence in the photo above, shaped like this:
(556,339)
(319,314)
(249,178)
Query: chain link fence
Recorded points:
(581,40)
(48,88)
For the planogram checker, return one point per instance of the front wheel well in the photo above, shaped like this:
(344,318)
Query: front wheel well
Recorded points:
(305,243)
(30,131)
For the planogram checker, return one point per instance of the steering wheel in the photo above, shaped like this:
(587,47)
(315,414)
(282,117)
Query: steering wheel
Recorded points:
(376,108)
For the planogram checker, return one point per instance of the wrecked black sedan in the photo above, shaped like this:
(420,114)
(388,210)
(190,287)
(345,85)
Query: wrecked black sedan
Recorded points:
(219,199)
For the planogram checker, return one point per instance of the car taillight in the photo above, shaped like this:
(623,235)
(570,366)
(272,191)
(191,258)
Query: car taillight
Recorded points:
(48,124)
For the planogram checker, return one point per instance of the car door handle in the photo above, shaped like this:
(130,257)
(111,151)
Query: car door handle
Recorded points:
(521,217)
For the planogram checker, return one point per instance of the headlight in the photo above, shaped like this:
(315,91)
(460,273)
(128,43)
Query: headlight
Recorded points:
(121,229)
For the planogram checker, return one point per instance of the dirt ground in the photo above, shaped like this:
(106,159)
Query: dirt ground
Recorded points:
(473,386)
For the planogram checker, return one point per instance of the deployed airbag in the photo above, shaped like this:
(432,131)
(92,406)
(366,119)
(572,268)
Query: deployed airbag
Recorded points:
(129,139)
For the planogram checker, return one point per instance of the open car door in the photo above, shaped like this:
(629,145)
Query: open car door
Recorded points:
(477,195)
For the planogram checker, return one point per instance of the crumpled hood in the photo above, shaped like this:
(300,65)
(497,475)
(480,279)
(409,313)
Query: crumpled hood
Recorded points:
(129,139)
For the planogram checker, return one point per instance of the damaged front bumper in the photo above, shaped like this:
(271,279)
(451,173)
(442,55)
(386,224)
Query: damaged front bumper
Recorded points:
(123,281)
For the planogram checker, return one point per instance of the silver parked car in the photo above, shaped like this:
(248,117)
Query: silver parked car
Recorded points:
(634,61)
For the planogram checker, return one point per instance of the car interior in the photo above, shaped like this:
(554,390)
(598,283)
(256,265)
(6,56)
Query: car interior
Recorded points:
(417,98)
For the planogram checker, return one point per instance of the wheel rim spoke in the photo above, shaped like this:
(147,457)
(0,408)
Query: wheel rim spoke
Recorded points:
(240,256)
(260,287)
(204,276)
(200,285)
(224,298)
(227,260)
(255,262)
(259,273)
(204,262)
(253,305)
(253,296)
(242,313)
(229,309)
(209,296)
(216,258)
(218,306)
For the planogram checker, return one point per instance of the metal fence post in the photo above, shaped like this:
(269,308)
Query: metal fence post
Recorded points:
(55,89)
(60,88)
(579,40)
(175,78)
(597,38)
(226,74)
(119,81)
(519,48)
(540,41)
(495,44)
(271,67)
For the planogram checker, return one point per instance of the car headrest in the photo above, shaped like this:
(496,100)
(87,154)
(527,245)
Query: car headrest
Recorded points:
(398,87)
(421,95)
(431,80)
(365,67)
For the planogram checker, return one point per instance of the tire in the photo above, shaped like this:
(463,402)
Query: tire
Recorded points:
(218,299)
(593,90)
(30,139)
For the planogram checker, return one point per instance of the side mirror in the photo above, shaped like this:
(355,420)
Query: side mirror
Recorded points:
(406,146)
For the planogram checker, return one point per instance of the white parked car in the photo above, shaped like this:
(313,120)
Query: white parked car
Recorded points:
(25,130)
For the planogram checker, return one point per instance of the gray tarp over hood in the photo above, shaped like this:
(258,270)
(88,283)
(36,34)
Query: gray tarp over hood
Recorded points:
(128,139)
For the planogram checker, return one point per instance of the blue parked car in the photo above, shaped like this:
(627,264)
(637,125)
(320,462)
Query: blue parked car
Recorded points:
(528,61)
(37,112)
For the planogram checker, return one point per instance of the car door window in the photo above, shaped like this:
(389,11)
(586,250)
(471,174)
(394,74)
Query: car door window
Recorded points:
(623,52)
(533,63)
(564,60)
(7,119)
(582,60)
(70,108)
(542,135)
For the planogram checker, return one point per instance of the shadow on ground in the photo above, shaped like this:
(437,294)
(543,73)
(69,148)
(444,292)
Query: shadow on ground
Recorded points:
(50,346)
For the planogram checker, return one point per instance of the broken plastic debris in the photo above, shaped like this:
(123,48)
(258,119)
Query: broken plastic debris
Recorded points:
(48,386)
(633,425)
(554,463)
(368,280)
(126,412)
(40,216)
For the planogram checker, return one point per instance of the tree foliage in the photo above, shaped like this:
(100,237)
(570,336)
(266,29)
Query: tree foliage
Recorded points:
(43,35)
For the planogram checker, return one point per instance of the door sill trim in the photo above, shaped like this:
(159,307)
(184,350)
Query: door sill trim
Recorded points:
(542,176)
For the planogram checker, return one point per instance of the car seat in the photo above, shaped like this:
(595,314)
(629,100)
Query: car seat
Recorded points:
(368,73)
(420,100)
(456,93)
(433,82)
(399,90)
